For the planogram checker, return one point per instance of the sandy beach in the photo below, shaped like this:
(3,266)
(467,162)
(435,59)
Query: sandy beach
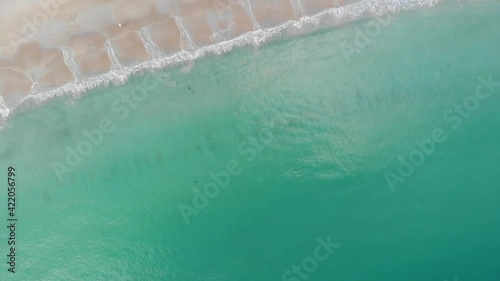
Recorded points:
(51,43)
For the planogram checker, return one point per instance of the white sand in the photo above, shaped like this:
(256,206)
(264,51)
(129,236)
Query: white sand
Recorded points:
(38,32)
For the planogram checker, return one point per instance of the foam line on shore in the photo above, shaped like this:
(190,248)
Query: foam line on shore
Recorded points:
(120,74)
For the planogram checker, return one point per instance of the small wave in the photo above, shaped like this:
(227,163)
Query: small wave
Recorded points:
(330,17)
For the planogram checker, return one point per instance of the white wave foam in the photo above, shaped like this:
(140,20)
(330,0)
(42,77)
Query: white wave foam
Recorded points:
(120,74)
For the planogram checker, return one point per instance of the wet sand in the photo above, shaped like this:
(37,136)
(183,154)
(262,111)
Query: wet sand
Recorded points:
(68,40)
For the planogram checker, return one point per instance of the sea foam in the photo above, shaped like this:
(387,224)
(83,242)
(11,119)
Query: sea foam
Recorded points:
(120,74)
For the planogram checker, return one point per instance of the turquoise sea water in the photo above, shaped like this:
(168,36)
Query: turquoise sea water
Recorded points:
(302,139)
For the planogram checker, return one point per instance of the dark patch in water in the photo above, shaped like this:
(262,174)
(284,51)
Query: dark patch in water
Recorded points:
(159,157)
(46,196)
(67,132)
(197,146)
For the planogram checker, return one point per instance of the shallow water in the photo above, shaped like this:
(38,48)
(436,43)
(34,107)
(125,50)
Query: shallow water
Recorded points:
(38,72)
(307,133)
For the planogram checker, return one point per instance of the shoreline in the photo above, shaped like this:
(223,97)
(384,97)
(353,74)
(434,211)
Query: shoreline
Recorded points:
(150,59)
